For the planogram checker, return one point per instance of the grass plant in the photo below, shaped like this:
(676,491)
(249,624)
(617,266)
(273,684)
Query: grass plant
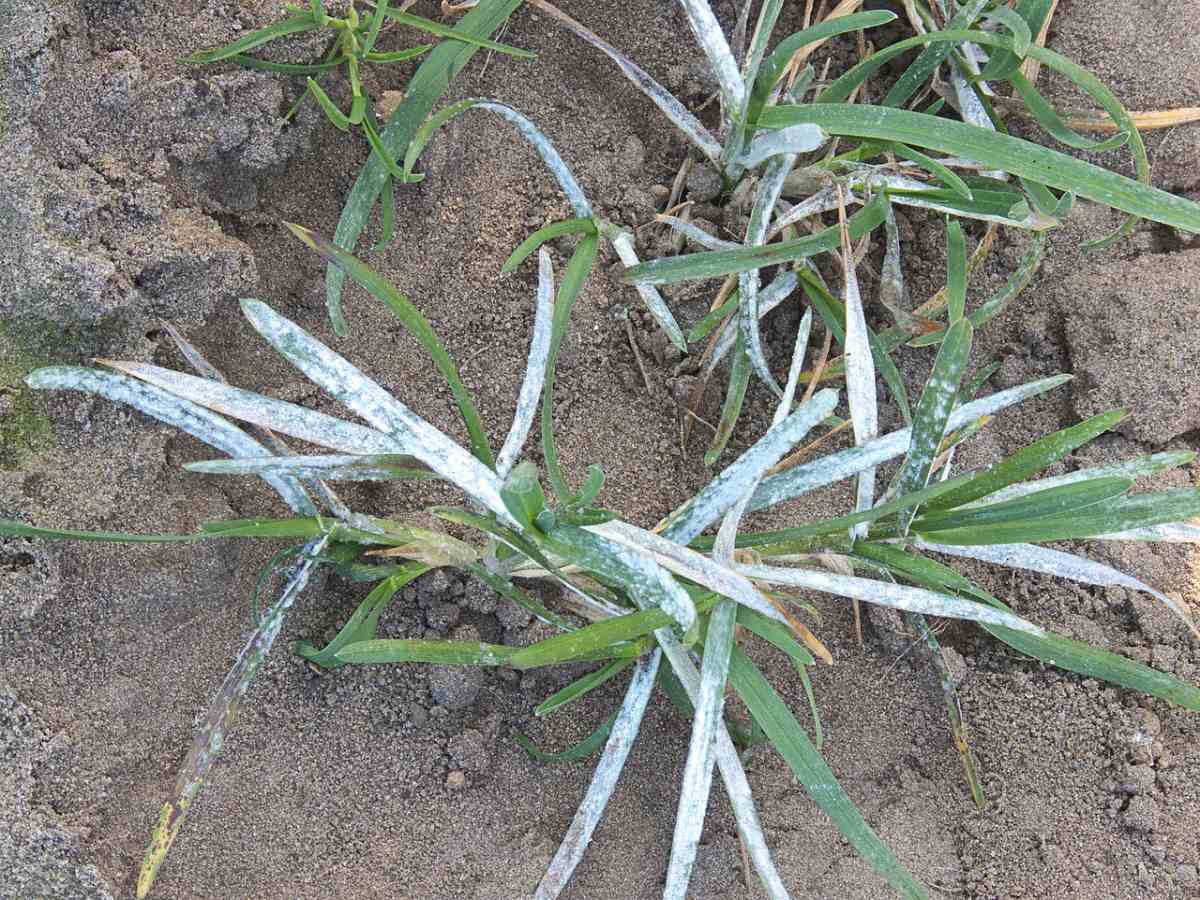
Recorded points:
(679,590)
(644,595)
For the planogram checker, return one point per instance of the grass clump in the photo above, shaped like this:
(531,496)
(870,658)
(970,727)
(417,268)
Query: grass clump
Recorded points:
(636,597)
(639,596)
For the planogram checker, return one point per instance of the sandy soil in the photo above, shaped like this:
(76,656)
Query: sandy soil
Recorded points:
(146,189)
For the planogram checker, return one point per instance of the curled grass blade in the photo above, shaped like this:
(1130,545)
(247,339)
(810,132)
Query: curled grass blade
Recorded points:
(535,369)
(546,233)
(540,143)
(678,114)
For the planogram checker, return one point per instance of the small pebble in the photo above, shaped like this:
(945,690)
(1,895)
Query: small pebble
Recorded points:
(456,780)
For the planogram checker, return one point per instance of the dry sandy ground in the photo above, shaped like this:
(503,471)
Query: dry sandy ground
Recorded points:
(146,189)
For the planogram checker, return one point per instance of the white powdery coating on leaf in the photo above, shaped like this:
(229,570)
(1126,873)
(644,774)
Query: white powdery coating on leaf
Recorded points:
(737,788)
(696,785)
(362,395)
(545,149)
(739,477)
(1061,565)
(887,593)
(690,564)
(768,298)
(699,235)
(794,139)
(197,421)
(769,188)
(809,476)
(860,385)
(340,467)
(535,369)
(712,41)
(679,114)
(608,770)
(1138,467)
(623,244)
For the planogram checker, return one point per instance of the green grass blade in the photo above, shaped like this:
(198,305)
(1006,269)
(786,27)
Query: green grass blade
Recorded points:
(256,38)
(12,528)
(995,150)
(459,33)
(387,214)
(364,623)
(999,301)
(919,72)
(1031,460)
(818,779)
(1045,115)
(582,750)
(1053,501)
(715,263)
(1054,649)
(414,322)
(539,237)
(843,464)
(582,686)
(945,175)
(266,65)
(396,56)
(577,271)
(428,84)
(339,119)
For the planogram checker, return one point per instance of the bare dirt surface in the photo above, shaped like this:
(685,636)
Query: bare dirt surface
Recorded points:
(138,188)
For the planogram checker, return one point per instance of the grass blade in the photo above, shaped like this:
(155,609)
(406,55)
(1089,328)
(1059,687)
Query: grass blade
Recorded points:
(354,390)
(535,369)
(192,418)
(428,84)
(1047,561)
(712,41)
(218,720)
(582,686)
(547,233)
(678,114)
(723,491)
(887,593)
(797,751)
(836,466)
(585,748)
(1000,151)
(457,34)
(339,467)
(256,38)
(658,308)
(616,750)
(715,263)
(573,280)
(410,317)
